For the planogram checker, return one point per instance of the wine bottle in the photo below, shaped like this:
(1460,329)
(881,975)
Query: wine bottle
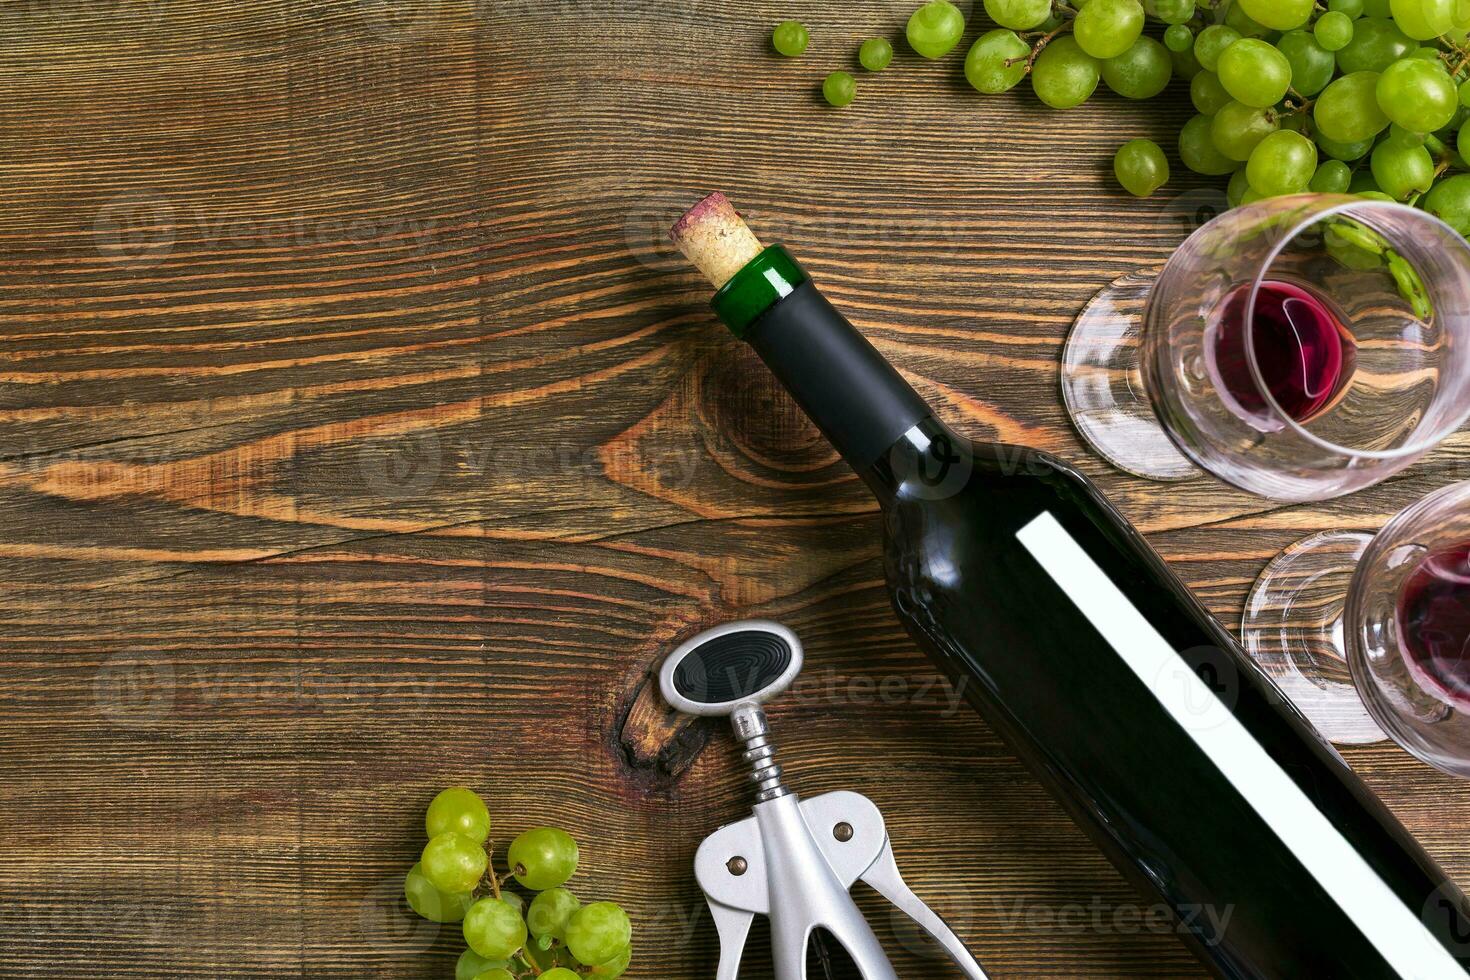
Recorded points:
(1109,679)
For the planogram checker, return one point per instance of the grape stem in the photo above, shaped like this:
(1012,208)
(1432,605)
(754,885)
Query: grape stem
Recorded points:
(1297,102)
(1035,51)
(494,878)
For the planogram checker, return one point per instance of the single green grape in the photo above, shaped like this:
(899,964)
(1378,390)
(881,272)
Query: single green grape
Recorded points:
(550,911)
(1348,111)
(1377,8)
(1464,92)
(1141,72)
(1107,28)
(1462,141)
(1236,189)
(1332,177)
(997,61)
(544,857)
(471,964)
(494,929)
(431,903)
(1353,8)
(875,54)
(935,28)
(1064,75)
(1312,66)
(1254,72)
(453,862)
(560,973)
(1207,94)
(1449,201)
(1018,15)
(1170,11)
(614,967)
(1402,169)
(1333,30)
(1248,26)
(1377,43)
(1186,65)
(1278,15)
(1178,37)
(1423,19)
(790,38)
(598,932)
(458,810)
(1282,163)
(839,88)
(1417,95)
(1397,132)
(498,973)
(1197,149)
(1212,42)
(1342,151)
(1141,167)
(1237,128)
(1363,183)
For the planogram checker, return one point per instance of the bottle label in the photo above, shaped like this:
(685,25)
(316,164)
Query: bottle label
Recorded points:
(1387,922)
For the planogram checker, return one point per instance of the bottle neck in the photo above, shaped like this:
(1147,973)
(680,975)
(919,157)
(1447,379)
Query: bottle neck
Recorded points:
(862,405)
(928,462)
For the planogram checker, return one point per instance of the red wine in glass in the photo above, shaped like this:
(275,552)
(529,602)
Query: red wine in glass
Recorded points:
(1305,353)
(1434,618)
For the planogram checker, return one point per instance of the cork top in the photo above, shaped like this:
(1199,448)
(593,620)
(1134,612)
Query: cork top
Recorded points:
(715,238)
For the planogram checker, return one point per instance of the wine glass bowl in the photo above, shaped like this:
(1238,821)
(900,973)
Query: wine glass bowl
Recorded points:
(1299,348)
(1306,347)
(1407,629)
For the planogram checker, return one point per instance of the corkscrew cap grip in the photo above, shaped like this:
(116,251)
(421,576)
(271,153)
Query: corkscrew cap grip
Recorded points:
(742,663)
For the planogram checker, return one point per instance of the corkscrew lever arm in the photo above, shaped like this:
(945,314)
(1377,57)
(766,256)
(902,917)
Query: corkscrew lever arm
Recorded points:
(733,926)
(850,830)
(884,878)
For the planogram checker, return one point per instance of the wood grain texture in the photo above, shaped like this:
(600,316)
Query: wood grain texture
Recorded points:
(360,436)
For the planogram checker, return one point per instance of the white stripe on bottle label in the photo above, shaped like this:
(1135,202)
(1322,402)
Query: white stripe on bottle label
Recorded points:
(1394,930)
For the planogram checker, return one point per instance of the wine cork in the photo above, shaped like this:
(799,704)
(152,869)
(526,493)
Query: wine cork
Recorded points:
(715,239)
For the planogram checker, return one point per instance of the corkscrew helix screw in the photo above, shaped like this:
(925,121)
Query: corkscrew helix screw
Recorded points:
(751,728)
(794,860)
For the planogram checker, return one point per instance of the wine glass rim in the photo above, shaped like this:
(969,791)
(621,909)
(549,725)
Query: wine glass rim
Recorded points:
(1343,203)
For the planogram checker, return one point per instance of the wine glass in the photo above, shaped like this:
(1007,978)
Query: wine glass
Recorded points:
(1358,361)
(1368,634)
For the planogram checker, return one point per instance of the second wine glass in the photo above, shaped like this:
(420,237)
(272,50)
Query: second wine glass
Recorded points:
(1370,633)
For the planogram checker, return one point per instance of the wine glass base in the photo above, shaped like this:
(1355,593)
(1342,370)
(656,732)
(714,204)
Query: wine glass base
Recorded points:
(1292,628)
(1102,384)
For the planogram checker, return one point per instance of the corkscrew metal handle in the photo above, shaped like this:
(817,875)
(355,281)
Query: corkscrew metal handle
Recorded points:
(793,860)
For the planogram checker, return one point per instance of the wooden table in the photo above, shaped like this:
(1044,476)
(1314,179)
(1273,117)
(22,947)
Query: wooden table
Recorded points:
(360,436)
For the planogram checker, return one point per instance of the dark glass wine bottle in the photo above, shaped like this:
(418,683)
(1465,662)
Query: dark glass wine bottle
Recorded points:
(1109,679)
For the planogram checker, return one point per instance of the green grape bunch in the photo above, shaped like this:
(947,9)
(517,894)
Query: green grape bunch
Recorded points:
(551,935)
(1366,97)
